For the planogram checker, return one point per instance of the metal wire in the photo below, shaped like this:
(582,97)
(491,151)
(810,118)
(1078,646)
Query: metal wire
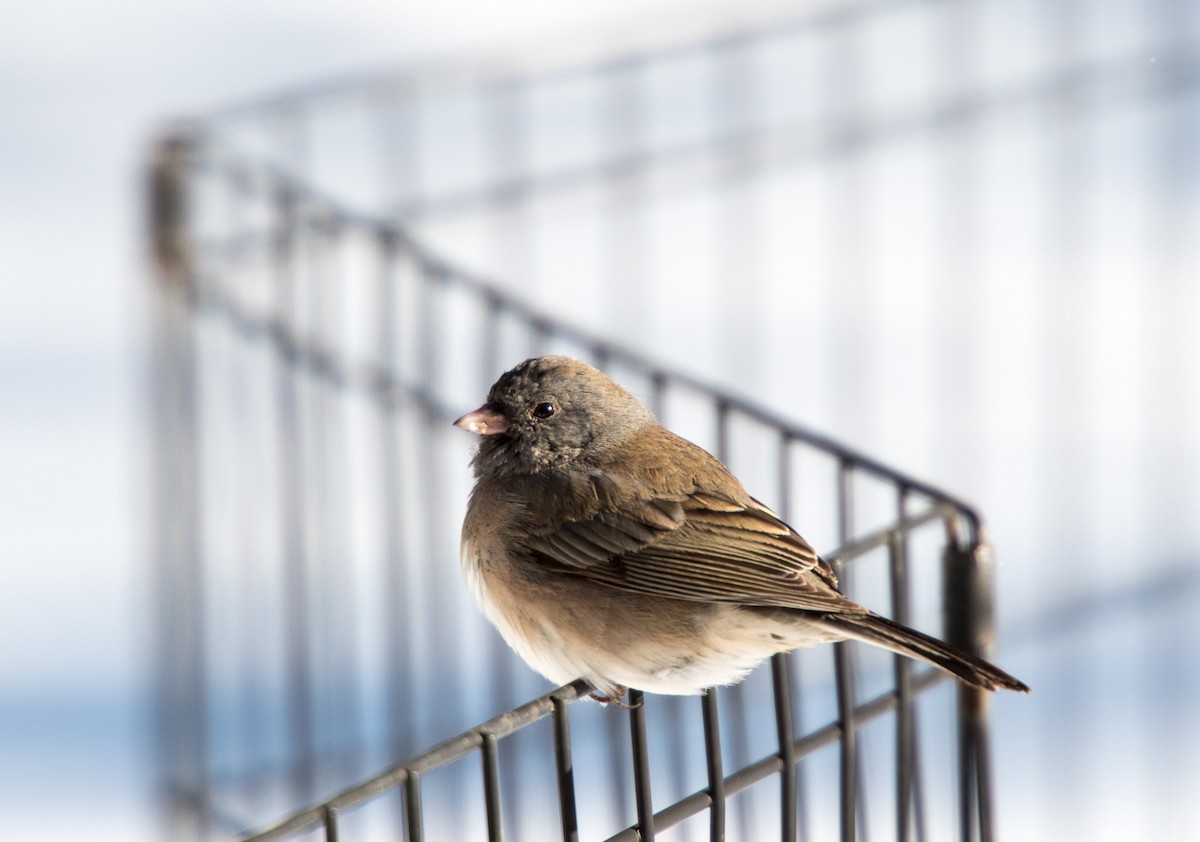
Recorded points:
(304,355)
(651,777)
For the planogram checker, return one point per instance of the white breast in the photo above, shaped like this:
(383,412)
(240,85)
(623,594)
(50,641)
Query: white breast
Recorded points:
(535,640)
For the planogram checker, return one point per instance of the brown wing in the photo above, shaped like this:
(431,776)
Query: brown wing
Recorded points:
(702,546)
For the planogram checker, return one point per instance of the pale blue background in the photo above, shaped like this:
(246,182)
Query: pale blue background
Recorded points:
(1079,438)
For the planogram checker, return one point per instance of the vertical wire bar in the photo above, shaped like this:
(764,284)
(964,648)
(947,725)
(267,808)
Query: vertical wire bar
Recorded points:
(252,440)
(967,602)
(722,430)
(641,765)
(399,637)
(843,673)
(658,394)
(737,250)
(338,553)
(291,479)
(330,822)
(601,356)
(983,775)
(491,787)
(736,696)
(905,737)
(712,756)
(505,116)
(672,710)
(323,510)
(781,679)
(430,286)
(622,771)
(966,745)
(622,120)
(181,693)
(848,776)
(396,133)
(489,345)
(314,519)
(412,807)
(982,628)
(565,768)
(539,336)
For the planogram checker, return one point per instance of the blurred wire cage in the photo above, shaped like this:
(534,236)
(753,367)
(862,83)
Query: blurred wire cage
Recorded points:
(299,647)
(344,269)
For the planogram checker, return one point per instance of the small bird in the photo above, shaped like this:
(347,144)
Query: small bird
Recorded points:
(604,546)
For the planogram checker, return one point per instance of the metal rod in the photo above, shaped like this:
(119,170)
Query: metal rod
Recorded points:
(967,608)
(500,726)
(844,674)
(331,824)
(412,808)
(983,778)
(712,755)
(905,737)
(739,725)
(787,712)
(491,786)
(641,765)
(566,770)
(781,681)
(848,776)
(181,714)
(292,478)
(751,774)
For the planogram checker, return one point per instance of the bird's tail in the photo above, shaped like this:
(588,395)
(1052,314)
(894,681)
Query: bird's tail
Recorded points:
(872,628)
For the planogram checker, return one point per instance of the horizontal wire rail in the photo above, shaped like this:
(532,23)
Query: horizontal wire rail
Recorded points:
(324,213)
(1086,83)
(484,739)
(527,64)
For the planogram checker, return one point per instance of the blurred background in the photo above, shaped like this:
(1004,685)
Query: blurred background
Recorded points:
(960,236)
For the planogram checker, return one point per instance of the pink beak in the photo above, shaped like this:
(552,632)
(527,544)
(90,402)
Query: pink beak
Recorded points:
(485,421)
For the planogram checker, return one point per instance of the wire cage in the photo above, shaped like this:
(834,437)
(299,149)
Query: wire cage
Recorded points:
(315,336)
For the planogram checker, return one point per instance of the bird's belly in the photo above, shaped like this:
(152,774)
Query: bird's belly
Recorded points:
(729,643)
(523,617)
(566,627)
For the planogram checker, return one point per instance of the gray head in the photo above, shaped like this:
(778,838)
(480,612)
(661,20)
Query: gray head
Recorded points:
(550,412)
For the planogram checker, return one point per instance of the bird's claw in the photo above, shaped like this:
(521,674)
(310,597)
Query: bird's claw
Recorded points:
(613,698)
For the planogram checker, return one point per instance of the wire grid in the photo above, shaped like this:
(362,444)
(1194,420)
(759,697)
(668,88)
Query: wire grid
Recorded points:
(310,357)
(310,368)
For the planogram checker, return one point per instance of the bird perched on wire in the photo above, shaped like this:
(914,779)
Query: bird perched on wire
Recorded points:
(604,546)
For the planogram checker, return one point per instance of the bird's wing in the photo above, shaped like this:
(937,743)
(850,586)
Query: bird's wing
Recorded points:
(702,545)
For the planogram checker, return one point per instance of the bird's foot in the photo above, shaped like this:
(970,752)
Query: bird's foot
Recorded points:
(613,697)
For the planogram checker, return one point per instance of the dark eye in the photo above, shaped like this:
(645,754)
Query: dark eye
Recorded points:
(543,410)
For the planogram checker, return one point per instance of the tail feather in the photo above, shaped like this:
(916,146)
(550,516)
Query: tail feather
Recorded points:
(880,631)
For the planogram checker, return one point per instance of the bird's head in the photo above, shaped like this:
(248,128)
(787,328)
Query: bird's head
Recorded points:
(551,412)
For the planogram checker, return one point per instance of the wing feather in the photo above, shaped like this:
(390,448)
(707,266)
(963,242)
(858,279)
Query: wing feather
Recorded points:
(703,546)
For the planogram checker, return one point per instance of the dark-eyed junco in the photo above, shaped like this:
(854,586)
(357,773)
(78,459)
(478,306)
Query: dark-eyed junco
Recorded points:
(604,546)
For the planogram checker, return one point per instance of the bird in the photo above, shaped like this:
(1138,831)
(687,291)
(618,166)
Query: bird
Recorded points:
(604,546)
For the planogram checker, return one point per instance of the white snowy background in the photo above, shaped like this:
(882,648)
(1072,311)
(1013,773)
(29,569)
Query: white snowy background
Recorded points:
(1078,435)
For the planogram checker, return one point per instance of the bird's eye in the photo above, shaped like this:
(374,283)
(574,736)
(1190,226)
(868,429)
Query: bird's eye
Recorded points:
(543,410)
